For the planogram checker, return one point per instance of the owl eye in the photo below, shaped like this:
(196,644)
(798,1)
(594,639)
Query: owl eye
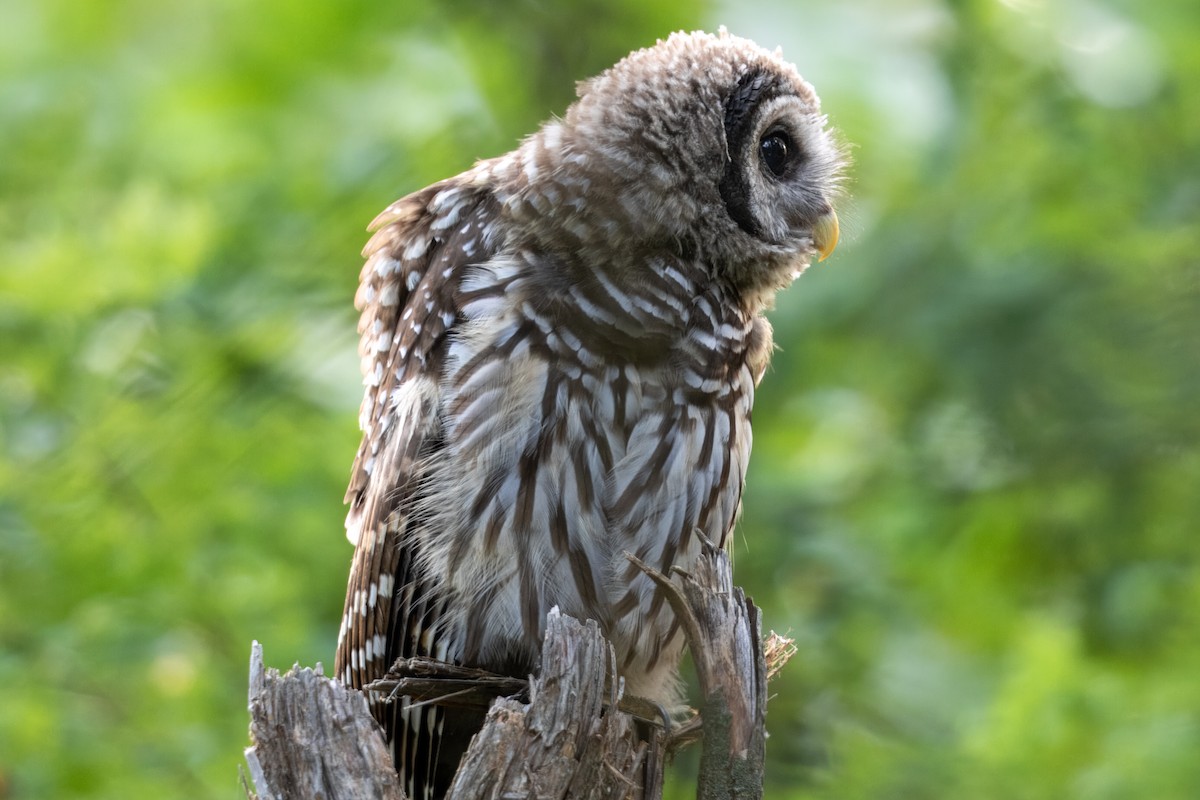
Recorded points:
(776,151)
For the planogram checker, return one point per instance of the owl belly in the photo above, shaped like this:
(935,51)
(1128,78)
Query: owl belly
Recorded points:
(549,475)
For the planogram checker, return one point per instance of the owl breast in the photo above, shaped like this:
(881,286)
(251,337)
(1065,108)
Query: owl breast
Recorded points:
(568,442)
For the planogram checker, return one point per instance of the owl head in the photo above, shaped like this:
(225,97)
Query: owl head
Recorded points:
(707,146)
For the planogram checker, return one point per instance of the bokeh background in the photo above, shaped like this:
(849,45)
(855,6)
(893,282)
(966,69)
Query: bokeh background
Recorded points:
(975,495)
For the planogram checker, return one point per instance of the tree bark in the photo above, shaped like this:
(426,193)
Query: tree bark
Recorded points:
(315,738)
(576,737)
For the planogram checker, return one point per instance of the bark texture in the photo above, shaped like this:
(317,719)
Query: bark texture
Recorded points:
(568,733)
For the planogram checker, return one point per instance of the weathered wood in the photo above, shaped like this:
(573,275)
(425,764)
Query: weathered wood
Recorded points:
(314,738)
(425,679)
(724,633)
(566,733)
(570,740)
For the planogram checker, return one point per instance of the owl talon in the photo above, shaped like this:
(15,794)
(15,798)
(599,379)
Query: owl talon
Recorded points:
(650,712)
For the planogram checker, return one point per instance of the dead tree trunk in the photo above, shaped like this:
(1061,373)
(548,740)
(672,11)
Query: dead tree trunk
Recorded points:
(576,736)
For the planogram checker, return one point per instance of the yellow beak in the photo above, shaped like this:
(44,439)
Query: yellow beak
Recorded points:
(825,235)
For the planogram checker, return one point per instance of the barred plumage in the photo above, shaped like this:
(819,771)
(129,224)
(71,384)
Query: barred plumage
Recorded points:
(560,349)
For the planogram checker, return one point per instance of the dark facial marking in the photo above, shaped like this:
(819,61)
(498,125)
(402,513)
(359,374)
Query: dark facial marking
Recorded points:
(755,87)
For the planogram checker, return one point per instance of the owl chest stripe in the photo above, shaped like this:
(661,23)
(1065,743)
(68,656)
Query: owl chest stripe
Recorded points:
(649,475)
(541,451)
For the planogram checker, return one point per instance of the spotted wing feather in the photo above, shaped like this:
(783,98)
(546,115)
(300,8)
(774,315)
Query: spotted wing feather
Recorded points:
(407,295)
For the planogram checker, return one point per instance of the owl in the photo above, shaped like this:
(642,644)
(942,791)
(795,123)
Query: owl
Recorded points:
(560,349)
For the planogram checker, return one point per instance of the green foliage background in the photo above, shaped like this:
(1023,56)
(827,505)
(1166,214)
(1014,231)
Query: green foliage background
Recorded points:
(975,498)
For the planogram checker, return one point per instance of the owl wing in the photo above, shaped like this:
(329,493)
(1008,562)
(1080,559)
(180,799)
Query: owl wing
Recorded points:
(408,296)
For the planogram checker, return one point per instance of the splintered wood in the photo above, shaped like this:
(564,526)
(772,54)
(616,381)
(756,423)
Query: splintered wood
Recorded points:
(566,733)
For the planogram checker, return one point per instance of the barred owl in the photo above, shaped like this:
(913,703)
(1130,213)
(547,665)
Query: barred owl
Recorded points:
(560,349)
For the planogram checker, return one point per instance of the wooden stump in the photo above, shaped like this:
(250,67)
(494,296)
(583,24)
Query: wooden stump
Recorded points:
(577,737)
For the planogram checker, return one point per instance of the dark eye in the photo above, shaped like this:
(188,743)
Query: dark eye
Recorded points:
(776,150)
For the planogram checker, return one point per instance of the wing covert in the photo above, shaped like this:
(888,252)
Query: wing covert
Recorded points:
(408,298)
